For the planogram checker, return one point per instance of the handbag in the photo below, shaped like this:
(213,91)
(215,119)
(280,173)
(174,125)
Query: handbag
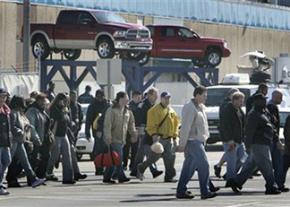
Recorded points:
(108,159)
(148,138)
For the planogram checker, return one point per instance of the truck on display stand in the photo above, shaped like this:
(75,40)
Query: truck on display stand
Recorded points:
(106,32)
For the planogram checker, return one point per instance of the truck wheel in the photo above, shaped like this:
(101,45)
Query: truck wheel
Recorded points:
(142,57)
(72,54)
(79,156)
(105,48)
(213,57)
(40,47)
(198,62)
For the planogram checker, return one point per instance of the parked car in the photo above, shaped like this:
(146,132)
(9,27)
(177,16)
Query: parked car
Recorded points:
(104,31)
(181,42)
(216,95)
(83,145)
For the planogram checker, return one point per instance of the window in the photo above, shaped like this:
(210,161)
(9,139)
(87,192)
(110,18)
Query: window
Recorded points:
(185,33)
(85,18)
(69,17)
(167,32)
(104,17)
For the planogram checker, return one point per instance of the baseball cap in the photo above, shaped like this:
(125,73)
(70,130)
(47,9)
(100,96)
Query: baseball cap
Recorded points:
(165,94)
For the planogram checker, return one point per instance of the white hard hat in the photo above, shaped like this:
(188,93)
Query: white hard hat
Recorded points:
(157,148)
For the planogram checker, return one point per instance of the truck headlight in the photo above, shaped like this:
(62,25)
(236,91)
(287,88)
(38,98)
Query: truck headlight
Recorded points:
(120,34)
(225,44)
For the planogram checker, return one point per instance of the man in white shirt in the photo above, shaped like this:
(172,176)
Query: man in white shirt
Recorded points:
(193,135)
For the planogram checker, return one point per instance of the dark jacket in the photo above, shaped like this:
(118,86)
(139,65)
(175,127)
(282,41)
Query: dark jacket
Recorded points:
(287,135)
(250,102)
(86,98)
(221,116)
(275,119)
(5,137)
(134,108)
(233,124)
(76,114)
(61,121)
(94,109)
(143,108)
(259,129)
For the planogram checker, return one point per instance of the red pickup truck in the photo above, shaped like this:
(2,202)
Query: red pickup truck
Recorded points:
(106,32)
(181,42)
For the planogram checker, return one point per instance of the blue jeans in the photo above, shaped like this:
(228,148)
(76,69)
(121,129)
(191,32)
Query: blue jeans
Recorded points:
(260,156)
(143,149)
(19,152)
(195,160)
(5,160)
(277,161)
(61,147)
(234,159)
(117,171)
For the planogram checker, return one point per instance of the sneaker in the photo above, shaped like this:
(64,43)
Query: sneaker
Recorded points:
(37,182)
(3,192)
(157,173)
(80,176)
(140,175)
(124,180)
(209,195)
(217,171)
(272,191)
(186,195)
(69,182)
(109,181)
(51,177)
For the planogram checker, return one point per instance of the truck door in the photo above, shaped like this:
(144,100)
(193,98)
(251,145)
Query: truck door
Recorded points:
(166,45)
(65,29)
(189,46)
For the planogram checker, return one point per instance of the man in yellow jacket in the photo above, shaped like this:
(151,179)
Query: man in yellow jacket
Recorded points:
(162,127)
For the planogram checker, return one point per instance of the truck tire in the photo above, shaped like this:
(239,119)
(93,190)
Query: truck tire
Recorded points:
(198,62)
(213,57)
(72,54)
(40,46)
(142,57)
(105,48)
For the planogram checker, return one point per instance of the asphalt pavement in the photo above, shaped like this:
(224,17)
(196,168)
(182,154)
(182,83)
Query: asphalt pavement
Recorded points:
(150,192)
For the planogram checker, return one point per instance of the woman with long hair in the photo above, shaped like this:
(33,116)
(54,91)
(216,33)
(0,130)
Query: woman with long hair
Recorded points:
(21,131)
(118,121)
(59,115)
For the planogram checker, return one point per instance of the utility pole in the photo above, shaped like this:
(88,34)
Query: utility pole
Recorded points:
(26,34)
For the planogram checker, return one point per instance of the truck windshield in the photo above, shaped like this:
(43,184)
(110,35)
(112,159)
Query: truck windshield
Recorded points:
(104,17)
(216,96)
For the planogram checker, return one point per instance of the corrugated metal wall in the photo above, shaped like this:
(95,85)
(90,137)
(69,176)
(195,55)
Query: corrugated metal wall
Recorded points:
(237,13)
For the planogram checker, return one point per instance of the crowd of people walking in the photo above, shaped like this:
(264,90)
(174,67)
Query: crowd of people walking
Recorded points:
(39,133)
